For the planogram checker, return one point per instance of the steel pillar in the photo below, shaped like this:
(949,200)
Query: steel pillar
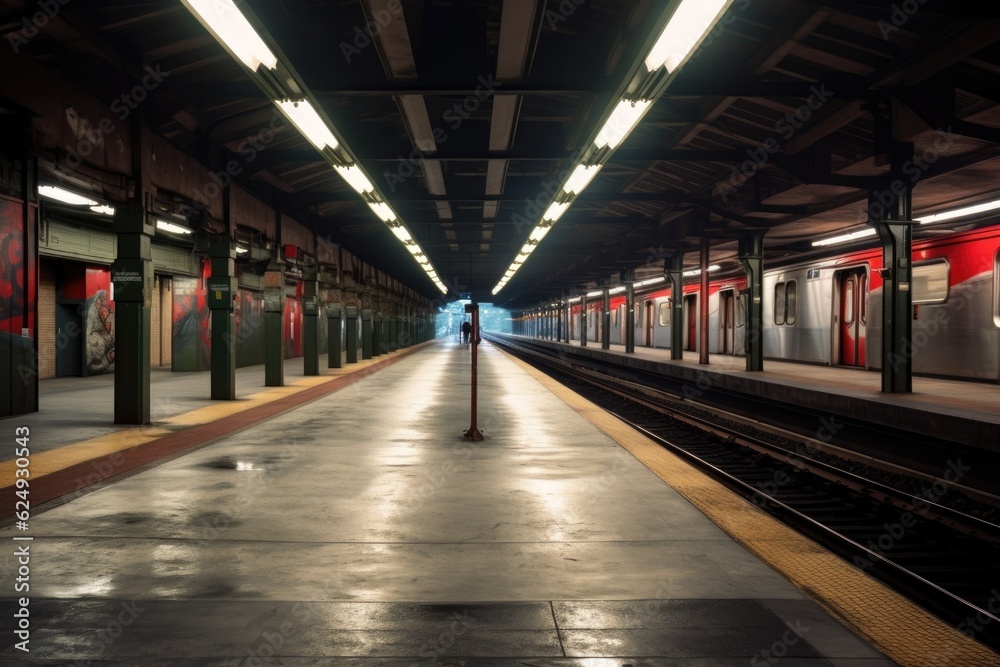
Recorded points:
(132,275)
(351,339)
(583,319)
(310,324)
(334,334)
(675,274)
(222,289)
(751,253)
(366,334)
(629,278)
(703,305)
(606,318)
(274,324)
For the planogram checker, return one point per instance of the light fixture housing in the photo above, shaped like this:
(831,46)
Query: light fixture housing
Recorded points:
(171,227)
(382,210)
(356,178)
(621,122)
(555,211)
(233,31)
(65,196)
(581,178)
(687,27)
(304,116)
(844,238)
(960,212)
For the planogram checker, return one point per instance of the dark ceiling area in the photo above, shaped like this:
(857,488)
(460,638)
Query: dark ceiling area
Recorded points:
(467,114)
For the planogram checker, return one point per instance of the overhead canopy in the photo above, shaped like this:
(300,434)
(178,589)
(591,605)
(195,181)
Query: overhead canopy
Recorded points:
(467,115)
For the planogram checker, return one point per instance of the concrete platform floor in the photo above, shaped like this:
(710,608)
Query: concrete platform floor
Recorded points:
(977,399)
(361,526)
(72,409)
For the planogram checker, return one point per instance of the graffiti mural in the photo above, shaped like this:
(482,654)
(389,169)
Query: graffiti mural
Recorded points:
(192,320)
(12,287)
(100,346)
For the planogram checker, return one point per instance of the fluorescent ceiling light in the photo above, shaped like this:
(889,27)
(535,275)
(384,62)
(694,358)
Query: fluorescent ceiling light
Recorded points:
(356,178)
(383,211)
(65,196)
(844,238)
(621,121)
(168,226)
(616,290)
(687,27)
(538,233)
(959,212)
(242,251)
(591,295)
(520,259)
(230,27)
(555,211)
(103,209)
(695,272)
(580,178)
(527,248)
(312,126)
(402,233)
(650,281)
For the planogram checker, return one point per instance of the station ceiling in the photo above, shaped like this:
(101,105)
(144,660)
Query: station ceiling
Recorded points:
(467,114)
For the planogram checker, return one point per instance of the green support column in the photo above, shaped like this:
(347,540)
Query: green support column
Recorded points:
(351,339)
(628,276)
(392,342)
(606,319)
(366,333)
(583,319)
(751,253)
(310,324)
(675,274)
(132,275)
(377,333)
(222,288)
(897,297)
(334,333)
(274,325)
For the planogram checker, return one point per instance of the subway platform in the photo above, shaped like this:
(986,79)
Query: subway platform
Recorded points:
(358,527)
(967,412)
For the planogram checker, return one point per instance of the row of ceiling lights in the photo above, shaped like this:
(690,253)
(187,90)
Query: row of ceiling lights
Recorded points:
(685,30)
(234,32)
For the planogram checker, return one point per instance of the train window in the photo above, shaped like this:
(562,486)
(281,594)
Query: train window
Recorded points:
(850,287)
(863,297)
(996,289)
(779,303)
(638,314)
(791,300)
(665,313)
(614,317)
(785,302)
(929,282)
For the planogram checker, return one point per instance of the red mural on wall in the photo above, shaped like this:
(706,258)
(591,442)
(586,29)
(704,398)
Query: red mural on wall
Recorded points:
(99,315)
(192,344)
(13,291)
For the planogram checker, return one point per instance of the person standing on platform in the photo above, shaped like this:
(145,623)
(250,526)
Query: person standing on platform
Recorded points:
(466,331)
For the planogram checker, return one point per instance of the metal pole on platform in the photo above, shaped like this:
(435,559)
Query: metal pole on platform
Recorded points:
(474,433)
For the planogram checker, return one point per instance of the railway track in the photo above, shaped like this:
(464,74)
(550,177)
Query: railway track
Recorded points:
(936,546)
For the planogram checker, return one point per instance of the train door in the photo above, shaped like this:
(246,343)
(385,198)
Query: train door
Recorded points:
(691,319)
(851,319)
(727,316)
(648,323)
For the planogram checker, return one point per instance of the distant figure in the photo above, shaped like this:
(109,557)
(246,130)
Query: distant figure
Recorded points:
(466,331)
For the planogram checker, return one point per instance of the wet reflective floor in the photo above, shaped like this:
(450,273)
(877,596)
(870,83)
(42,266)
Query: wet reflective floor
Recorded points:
(361,527)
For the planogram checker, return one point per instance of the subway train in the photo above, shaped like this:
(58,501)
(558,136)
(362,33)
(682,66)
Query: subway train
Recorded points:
(827,310)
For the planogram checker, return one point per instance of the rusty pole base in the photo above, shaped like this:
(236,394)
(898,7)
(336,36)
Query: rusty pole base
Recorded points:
(474,434)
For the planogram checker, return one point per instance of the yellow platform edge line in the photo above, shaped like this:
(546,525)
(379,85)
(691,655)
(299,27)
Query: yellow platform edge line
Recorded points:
(48,462)
(894,625)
